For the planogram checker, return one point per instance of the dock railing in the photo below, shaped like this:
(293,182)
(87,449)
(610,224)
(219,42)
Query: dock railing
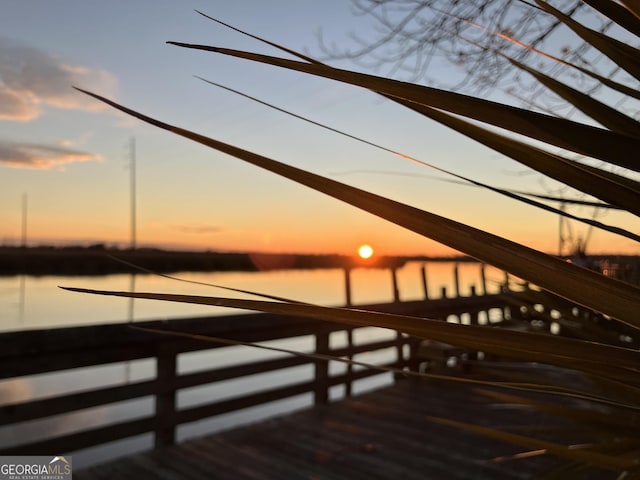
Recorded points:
(31,353)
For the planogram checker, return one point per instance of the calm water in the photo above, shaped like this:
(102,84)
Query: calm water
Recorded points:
(37,302)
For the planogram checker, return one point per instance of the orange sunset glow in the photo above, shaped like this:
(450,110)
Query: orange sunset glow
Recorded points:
(71,156)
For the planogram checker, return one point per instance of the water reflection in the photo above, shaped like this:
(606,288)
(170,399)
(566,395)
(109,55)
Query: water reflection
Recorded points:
(39,302)
(38,387)
(21,300)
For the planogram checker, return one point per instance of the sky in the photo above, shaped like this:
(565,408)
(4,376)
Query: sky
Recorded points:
(65,158)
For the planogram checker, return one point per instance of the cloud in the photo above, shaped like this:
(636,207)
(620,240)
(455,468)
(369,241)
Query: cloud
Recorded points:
(31,78)
(40,157)
(14,106)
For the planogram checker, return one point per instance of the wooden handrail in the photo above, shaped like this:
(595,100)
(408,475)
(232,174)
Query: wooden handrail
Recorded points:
(51,350)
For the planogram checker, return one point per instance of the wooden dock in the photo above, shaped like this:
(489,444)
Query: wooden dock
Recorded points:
(385,434)
(380,435)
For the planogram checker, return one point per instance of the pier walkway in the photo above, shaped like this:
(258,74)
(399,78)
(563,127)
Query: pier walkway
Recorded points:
(385,434)
(176,382)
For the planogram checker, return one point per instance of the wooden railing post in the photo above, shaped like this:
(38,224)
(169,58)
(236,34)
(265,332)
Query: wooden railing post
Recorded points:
(423,271)
(483,278)
(506,312)
(165,433)
(347,286)
(321,390)
(348,386)
(400,339)
(456,281)
(394,279)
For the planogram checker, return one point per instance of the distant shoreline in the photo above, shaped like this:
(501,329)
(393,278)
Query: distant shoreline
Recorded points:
(101,260)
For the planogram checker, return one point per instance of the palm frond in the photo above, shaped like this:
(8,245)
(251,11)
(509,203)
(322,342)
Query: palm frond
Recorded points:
(615,298)
(582,139)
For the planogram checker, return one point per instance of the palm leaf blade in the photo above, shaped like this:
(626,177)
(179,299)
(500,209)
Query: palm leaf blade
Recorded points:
(615,298)
(624,55)
(607,186)
(593,142)
(603,114)
(595,358)
(595,459)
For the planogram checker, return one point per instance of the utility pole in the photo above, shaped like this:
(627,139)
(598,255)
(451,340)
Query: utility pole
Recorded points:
(132,286)
(24,220)
(132,166)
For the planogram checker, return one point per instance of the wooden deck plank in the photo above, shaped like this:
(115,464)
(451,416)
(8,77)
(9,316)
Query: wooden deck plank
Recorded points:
(379,435)
(241,461)
(314,447)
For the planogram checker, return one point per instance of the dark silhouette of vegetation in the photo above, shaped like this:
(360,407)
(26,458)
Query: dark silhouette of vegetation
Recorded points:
(602,314)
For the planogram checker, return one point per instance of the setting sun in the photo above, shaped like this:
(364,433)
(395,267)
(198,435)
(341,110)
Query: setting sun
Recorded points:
(365,251)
